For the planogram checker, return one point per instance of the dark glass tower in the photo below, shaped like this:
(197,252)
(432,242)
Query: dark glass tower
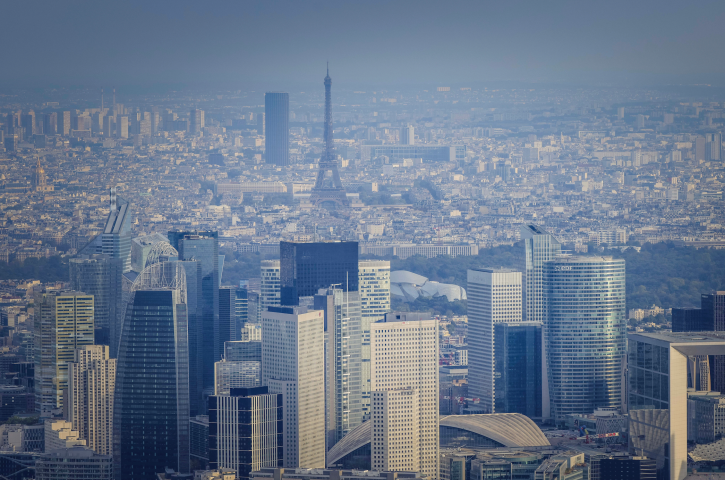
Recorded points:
(151,416)
(98,275)
(276,126)
(245,430)
(227,314)
(517,363)
(195,315)
(204,248)
(305,268)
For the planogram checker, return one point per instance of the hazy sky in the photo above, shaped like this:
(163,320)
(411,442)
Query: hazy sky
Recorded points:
(281,44)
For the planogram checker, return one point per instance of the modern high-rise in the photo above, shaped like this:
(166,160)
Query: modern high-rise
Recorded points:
(307,267)
(203,247)
(63,322)
(404,403)
(247,350)
(276,128)
(374,288)
(151,415)
(196,121)
(50,123)
(91,389)
(494,296)
(227,315)
(64,123)
(230,374)
(407,135)
(197,334)
(586,333)
(713,146)
(293,365)
(99,275)
(517,368)
(122,127)
(540,247)
(245,430)
(269,296)
(343,361)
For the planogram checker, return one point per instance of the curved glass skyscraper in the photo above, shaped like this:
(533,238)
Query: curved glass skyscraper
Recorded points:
(586,329)
(151,416)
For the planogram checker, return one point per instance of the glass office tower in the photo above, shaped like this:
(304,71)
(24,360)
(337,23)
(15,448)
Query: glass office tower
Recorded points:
(204,248)
(307,267)
(276,126)
(586,332)
(541,247)
(151,418)
(517,374)
(98,275)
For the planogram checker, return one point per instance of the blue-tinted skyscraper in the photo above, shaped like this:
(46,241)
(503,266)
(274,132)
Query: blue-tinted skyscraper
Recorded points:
(203,247)
(276,126)
(305,268)
(116,236)
(586,333)
(517,360)
(151,416)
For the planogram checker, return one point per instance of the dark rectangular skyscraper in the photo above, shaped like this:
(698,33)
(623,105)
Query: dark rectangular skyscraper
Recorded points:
(307,267)
(517,375)
(276,125)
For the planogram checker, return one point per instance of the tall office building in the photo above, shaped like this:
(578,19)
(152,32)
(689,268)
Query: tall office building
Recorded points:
(204,248)
(374,288)
(586,329)
(494,296)
(307,267)
(28,123)
(407,135)
(230,374)
(196,121)
(404,382)
(293,365)
(122,127)
(540,247)
(116,236)
(276,128)
(50,123)
(700,149)
(245,430)
(98,275)
(517,368)
(64,123)
(227,316)
(343,361)
(63,322)
(713,147)
(197,333)
(269,296)
(151,416)
(91,389)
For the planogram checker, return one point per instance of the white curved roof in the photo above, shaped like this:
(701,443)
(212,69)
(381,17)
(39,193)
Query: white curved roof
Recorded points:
(508,429)
(404,276)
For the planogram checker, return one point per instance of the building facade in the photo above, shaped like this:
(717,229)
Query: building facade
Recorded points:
(245,430)
(404,399)
(63,322)
(494,296)
(276,128)
(517,368)
(269,295)
(293,365)
(586,333)
(91,390)
(151,415)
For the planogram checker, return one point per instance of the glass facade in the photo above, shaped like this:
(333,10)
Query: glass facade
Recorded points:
(585,333)
(192,269)
(151,420)
(204,248)
(276,128)
(517,373)
(307,267)
(93,275)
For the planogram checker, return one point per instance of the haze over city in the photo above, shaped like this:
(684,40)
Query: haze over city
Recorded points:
(362,240)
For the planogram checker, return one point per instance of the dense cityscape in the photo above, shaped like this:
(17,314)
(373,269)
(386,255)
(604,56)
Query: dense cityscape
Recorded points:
(503,280)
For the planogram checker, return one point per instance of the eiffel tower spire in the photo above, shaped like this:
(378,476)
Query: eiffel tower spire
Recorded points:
(328,187)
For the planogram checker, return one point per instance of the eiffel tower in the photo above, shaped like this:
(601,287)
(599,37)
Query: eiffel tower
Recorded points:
(328,190)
